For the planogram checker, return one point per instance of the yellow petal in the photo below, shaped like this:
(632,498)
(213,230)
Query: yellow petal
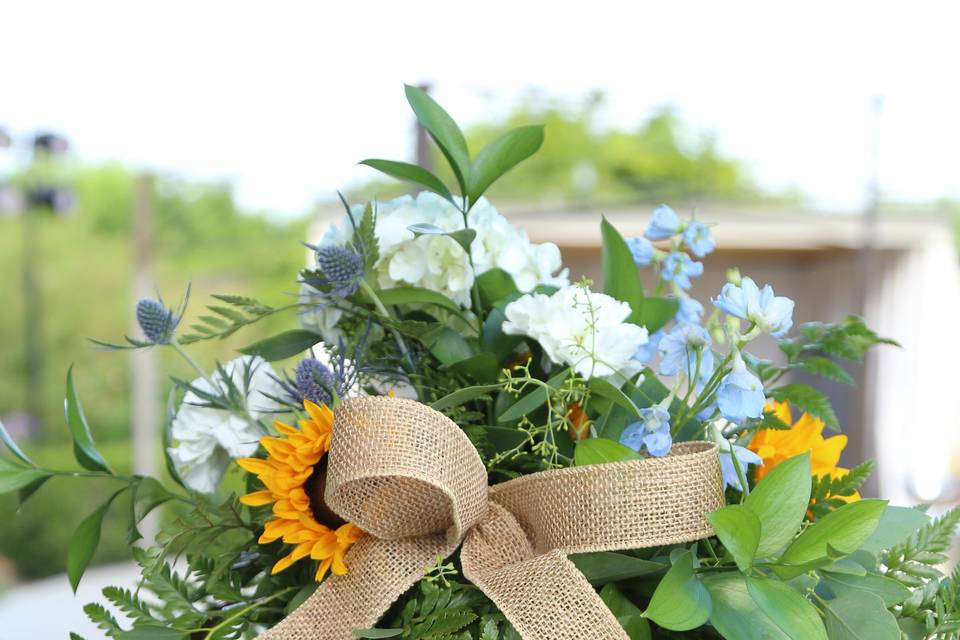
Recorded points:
(324,547)
(283,563)
(338,567)
(257,498)
(285,429)
(255,465)
(323,568)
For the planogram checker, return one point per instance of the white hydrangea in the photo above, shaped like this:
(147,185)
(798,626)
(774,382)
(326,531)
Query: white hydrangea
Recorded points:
(318,315)
(438,262)
(207,439)
(577,327)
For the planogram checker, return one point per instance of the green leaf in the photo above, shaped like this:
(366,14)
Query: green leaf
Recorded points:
(656,312)
(8,440)
(500,156)
(14,477)
(444,132)
(621,279)
(780,501)
(600,451)
(483,368)
(533,400)
(789,610)
(416,295)
(735,614)
(84,542)
(147,495)
(283,345)
(450,347)
(845,529)
(460,396)
(410,173)
(377,633)
(601,567)
(738,528)
(860,616)
(810,400)
(889,590)
(628,614)
(152,632)
(825,368)
(463,237)
(896,525)
(495,285)
(83,448)
(494,340)
(605,389)
(680,602)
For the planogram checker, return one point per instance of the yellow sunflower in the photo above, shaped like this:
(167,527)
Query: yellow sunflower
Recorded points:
(806,434)
(292,472)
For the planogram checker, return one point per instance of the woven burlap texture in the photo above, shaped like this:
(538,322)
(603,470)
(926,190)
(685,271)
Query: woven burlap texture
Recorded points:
(409,477)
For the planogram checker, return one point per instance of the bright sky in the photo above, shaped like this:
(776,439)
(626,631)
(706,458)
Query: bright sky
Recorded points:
(284,97)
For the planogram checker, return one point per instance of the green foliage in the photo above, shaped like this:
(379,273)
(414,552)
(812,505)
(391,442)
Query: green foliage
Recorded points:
(828,491)
(680,602)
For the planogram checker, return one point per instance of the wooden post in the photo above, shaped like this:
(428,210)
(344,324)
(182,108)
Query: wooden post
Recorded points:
(145,408)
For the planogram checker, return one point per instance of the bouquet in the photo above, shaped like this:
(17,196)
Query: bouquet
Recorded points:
(469,445)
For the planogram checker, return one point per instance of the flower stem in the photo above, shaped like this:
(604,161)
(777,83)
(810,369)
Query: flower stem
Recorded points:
(383,311)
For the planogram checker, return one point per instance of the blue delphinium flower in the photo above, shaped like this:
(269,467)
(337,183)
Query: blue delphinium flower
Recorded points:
(740,394)
(679,348)
(315,381)
(679,268)
(663,225)
(156,320)
(772,314)
(645,352)
(690,310)
(729,471)
(342,269)
(698,239)
(651,431)
(641,250)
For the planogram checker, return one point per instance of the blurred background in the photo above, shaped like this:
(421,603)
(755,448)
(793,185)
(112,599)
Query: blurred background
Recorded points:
(148,146)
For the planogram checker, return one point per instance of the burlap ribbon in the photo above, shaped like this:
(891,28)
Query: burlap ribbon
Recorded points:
(410,478)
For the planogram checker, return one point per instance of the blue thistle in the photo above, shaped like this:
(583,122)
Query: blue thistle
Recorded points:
(156,320)
(315,382)
(342,269)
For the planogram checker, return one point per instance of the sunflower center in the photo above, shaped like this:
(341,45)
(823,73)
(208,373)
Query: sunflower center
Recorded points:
(314,487)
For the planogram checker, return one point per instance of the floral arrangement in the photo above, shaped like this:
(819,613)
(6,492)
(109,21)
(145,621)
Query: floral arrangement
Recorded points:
(439,299)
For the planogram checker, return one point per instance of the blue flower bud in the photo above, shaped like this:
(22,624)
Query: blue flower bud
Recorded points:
(156,320)
(315,382)
(342,269)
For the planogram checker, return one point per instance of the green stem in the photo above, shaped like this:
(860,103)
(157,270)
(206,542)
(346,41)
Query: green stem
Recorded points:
(383,311)
(225,623)
(193,363)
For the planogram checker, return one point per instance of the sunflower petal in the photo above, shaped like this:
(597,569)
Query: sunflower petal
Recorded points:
(257,498)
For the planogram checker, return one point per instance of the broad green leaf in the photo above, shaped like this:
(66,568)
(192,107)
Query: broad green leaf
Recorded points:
(621,279)
(789,610)
(627,614)
(533,400)
(283,345)
(377,633)
(735,614)
(500,156)
(860,616)
(13,477)
(8,440)
(738,528)
(450,347)
(444,132)
(147,495)
(780,501)
(600,451)
(845,529)
(656,312)
(31,488)
(410,173)
(810,400)
(84,542)
(495,285)
(463,237)
(889,590)
(502,438)
(896,525)
(460,396)
(416,295)
(83,448)
(482,368)
(680,602)
(607,390)
(601,567)
(494,340)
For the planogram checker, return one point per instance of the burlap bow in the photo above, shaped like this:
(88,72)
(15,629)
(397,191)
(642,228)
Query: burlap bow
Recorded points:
(410,478)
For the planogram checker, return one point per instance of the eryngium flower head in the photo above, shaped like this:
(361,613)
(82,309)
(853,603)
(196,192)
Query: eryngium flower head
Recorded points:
(156,320)
(315,382)
(342,269)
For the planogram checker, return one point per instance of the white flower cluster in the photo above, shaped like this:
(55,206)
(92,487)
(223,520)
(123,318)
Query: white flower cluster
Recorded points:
(580,328)
(208,438)
(437,262)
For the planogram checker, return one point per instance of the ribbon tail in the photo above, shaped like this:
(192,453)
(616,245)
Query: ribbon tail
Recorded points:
(544,596)
(380,572)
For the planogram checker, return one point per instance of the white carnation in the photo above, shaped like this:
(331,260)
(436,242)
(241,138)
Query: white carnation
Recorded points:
(207,438)
(577,327)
